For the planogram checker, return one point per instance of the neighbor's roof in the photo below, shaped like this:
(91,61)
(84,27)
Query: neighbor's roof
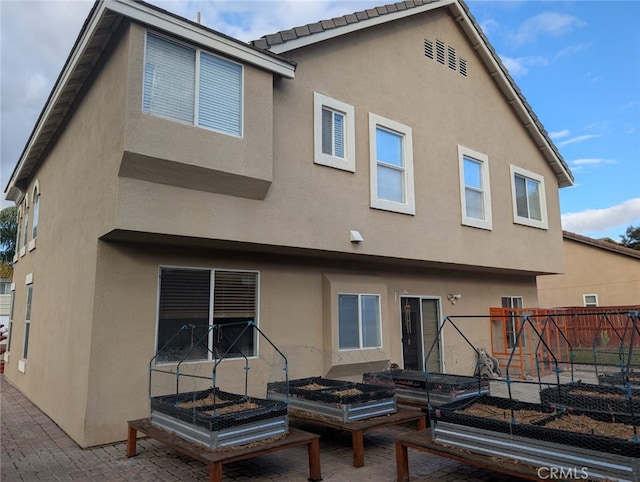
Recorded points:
(288,40)
(102,22)
(601,244)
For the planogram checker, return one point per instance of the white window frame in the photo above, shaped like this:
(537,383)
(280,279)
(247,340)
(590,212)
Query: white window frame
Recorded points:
(195,120)
(586,303)
(360,330)
(543,223)
(348,162)
(11,316)
(485,188)
(35,218)
(408,206)
(27,317)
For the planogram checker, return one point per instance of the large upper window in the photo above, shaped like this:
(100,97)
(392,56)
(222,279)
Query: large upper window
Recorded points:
(359,321)
(529,202)
(191,301)
(189,85)
(334,133)
(475,194)
(391,150)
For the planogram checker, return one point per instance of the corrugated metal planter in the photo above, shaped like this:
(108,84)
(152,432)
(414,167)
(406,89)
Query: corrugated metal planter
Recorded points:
(411,386)
(589,397)
(335,399)
(216,419)
(605,445)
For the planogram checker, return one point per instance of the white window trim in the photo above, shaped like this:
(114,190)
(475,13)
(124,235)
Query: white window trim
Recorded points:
(409,205)
(349,161)
(483,159)
(543,224)
(360,347)
(584,300)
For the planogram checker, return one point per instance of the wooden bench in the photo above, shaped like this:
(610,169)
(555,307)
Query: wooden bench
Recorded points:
(358,428)
(422,441)
(215,459)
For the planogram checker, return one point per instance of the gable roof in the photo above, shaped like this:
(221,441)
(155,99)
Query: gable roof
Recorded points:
(598,243)
(298,37)
(102,22)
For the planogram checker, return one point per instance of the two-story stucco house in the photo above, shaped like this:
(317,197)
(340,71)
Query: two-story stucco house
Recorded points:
(338,184)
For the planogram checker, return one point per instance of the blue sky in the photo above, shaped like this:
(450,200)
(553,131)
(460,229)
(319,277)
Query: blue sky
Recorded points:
(576,62)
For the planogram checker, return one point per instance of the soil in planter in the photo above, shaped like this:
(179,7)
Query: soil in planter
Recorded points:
(589,393)
(503,414)
(211,399)
(236,407)
(587,425)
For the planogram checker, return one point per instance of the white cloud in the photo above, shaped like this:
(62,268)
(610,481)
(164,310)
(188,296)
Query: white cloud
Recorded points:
(592,162)
(559,134)
(595,222)
(545,24)
(582,138)
(518,67)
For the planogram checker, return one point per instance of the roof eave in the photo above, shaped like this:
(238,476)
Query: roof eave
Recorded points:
(513,95)
(101,22)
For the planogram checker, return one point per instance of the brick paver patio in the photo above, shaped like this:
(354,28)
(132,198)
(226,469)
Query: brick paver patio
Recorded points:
(34,448)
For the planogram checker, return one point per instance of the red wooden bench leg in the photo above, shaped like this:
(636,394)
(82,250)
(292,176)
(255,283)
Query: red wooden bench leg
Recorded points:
(402,462)
(357,439)
(315,473)
(215,472)
(132,435)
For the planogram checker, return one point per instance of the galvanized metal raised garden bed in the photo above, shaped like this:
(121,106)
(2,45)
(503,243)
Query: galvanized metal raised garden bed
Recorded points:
(598,398)
(217,419)
(539,435)
(334,399)
(411,386)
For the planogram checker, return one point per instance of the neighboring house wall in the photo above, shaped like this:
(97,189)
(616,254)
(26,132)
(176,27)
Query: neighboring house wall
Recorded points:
(124,194)
(593,267)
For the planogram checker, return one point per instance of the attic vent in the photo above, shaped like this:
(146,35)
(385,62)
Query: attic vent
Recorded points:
(463,66)
(428,49)
(445,55)
(440,51)
(452,57)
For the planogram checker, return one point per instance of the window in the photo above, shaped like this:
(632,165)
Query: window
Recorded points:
(529,202)
(188,85)
(13,302)
(590,300)
(36,212)
(334,133)
(27,321)
(191,300)
(475,194)
(18,232)
(391,148)
(359,321)
(513,322)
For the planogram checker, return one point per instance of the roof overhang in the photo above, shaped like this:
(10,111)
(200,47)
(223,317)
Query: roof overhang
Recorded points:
(98,29)
(472,30)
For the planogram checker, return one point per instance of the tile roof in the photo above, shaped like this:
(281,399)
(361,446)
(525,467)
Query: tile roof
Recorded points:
(599,243)
(283,36)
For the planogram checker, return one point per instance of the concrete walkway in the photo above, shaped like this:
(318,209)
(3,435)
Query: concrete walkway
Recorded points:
(34,448)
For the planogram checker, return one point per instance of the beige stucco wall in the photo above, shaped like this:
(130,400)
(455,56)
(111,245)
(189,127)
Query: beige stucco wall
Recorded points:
(591,270)
(297,312)
(314,207)
(77,188)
